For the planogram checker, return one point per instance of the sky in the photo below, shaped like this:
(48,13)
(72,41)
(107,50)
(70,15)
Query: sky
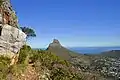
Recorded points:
(75,23)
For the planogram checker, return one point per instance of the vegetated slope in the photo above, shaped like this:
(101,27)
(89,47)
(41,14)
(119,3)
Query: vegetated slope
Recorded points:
(102,64)
(66,54)
(61,51)
(41,65)
(112,53)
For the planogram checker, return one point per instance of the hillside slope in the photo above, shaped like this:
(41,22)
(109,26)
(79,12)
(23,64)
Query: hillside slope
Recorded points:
(41,65)
(56,48)
(112,53)
(66,54)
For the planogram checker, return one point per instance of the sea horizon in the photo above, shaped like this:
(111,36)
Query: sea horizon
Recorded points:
(89,50)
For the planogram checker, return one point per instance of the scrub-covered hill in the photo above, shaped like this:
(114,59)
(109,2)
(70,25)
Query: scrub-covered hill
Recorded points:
(41,65)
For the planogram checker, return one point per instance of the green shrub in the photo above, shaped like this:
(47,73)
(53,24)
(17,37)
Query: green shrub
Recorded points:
(1,2)
(64,74)
(4,66)
(24,54)
(59,68)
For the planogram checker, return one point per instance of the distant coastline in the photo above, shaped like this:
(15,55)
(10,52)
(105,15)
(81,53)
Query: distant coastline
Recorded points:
(93,50)
(89,50)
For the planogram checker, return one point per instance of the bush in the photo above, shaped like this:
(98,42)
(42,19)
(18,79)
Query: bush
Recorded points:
(24,54)
(4,67)
(1,2)
(59,69)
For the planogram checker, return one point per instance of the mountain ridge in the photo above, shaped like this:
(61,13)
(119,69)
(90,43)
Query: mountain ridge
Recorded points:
(61,51)
(111,53)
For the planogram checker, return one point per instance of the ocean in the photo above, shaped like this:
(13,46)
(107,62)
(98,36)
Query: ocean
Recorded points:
(93,50)
(89,50)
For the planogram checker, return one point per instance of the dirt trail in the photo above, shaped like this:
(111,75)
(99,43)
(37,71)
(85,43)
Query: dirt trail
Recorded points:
(29,74)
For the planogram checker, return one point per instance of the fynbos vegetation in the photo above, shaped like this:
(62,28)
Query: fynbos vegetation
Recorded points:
(45,65)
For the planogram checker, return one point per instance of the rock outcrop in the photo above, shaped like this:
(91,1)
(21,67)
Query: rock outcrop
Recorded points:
(7,14)
(55,43)
(11,40)
(11,37)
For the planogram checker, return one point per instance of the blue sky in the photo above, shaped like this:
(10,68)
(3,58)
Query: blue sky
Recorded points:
(75,23)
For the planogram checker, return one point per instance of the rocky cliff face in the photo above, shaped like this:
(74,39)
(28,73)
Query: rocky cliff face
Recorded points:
(11,37)
(11,40)
(7,14)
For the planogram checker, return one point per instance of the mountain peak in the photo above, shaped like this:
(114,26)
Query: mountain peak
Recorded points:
(60,50)
(56,41)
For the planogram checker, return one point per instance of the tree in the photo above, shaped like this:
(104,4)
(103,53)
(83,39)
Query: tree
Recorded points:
(28,31)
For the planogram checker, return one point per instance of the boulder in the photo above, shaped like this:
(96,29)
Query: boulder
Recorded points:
(11,40)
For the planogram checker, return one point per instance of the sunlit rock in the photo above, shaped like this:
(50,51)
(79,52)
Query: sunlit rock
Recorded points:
(11,40)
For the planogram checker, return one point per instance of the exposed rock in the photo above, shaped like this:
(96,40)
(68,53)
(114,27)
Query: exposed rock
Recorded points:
(11,40)
(55,43)
(7,14)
